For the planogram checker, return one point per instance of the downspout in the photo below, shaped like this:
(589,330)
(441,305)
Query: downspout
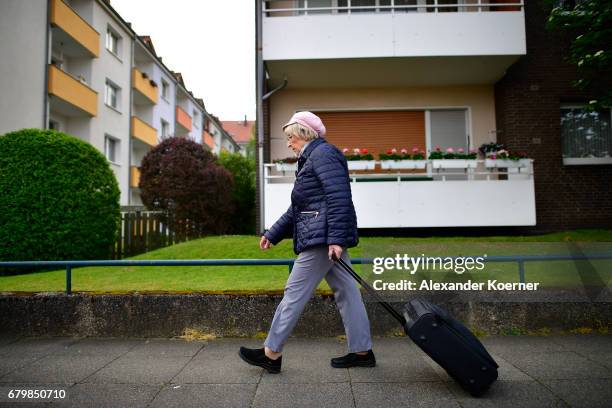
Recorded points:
(275,90)
(259,78)
(45,124)
(130,122)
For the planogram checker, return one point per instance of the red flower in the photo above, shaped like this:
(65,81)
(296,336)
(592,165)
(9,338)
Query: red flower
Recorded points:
(364,151)
(389,151)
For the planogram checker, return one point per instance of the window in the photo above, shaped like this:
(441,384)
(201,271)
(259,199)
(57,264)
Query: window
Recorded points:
(586,136)
(165,129)
(112,41)
(54,125)
(111,148)
(196,119)
(111,95)
(165,89)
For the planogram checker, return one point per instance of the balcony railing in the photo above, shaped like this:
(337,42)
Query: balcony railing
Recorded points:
(143,132)
(76,28)
(146,90)
(473,197)
(183,119)
(135,176)
(276,8)
(82,100)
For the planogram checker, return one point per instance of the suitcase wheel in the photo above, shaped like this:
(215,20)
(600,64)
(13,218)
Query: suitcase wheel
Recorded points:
(423,338)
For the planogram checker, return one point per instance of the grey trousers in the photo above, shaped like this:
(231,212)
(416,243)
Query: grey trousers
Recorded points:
(311,266)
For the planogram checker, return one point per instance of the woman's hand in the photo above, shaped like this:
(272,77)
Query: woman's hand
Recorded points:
(264,243)
(334,250)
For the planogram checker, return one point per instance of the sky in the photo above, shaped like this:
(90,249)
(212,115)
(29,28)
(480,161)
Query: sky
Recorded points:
(212,43)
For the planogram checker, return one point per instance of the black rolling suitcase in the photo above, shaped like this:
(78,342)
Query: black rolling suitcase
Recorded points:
(448,342)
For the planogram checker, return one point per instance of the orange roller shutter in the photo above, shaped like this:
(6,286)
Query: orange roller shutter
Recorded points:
(375,131)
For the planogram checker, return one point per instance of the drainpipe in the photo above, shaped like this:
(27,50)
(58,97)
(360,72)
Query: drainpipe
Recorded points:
(275,90)
(45,124)
(130,122)
(259,78)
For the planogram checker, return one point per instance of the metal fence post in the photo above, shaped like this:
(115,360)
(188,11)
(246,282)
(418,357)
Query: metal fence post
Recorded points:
(290,266)
(521,265)
(68,279)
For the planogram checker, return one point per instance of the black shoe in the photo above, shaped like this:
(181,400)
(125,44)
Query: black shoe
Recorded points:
(354,360)
(257,357)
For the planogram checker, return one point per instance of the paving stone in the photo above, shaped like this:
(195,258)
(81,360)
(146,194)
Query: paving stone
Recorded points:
(140,370)
(39,346)
(205,395)
(396,361)
(511,346)
(412,394)
(308,361)
(11,363)
(166,348)
(54,369)
(590,393)
(337,395)
(506,371)
(219,363)
(560,365)
(584,342)
(97,346)
(109,395)
(509,394)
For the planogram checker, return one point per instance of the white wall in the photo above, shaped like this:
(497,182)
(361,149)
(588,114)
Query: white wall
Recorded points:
(164,108)
(110,121)
(371,35)
(22,65)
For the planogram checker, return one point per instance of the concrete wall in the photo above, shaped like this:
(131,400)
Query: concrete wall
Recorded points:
(478,99)
(164,108)
(23,65)
(110,121)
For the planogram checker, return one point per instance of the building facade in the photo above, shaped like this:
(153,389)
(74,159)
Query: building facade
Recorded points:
(421,75)
(79,68)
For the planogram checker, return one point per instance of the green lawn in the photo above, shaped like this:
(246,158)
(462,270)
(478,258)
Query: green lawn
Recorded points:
(241,279)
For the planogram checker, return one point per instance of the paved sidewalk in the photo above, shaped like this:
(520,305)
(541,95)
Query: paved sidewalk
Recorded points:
(553,371)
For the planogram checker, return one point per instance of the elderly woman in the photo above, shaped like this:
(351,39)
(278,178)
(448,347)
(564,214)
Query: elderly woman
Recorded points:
(322,221)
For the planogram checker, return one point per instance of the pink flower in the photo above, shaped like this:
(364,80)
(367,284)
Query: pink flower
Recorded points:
(394,150)
(461,150)
(437,148)
(345,150)
(493,156)
(450,150)
(404,151)
(356,150)
(473,150)
(415,149)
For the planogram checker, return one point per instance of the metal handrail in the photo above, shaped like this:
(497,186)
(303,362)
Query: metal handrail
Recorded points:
(480,6)
(520,259)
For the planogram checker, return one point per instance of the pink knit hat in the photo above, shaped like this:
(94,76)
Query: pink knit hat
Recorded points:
(309,120)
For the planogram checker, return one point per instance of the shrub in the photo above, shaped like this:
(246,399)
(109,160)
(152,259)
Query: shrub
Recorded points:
(243,171)
(180,177)
(59,198)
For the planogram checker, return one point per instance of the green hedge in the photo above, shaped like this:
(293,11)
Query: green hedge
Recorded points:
(59,198)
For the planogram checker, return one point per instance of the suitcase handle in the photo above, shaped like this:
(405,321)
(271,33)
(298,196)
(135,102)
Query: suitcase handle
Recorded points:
(371,291)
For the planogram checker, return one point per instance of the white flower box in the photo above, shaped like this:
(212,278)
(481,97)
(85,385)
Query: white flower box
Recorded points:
(403,164)
(361,164)
(286,166)
(454,163)
(507,163)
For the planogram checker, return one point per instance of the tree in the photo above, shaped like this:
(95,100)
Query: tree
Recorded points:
(243,171)
(59,198)
(591,23)
(181,178)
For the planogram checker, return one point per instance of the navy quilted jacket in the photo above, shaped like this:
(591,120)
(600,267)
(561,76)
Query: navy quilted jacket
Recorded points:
(321,210)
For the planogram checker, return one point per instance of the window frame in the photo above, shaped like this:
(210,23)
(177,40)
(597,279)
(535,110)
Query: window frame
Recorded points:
(113,37)
(112,144)
(580,161)
(165,90)
(117,91)
(164,125)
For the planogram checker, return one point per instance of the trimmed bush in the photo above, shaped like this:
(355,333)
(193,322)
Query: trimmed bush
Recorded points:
(181,178)
(243,171)
(59,199)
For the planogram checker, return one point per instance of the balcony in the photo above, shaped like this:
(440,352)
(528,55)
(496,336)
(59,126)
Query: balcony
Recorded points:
(208,140)
(69,96)
(145,90)
(416,45)
(435,198)
(134,176)
(183,121)
(72,33)
(143,132)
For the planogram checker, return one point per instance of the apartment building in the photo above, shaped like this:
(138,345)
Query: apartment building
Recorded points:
(78,67)
(217,137)
(386,74)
